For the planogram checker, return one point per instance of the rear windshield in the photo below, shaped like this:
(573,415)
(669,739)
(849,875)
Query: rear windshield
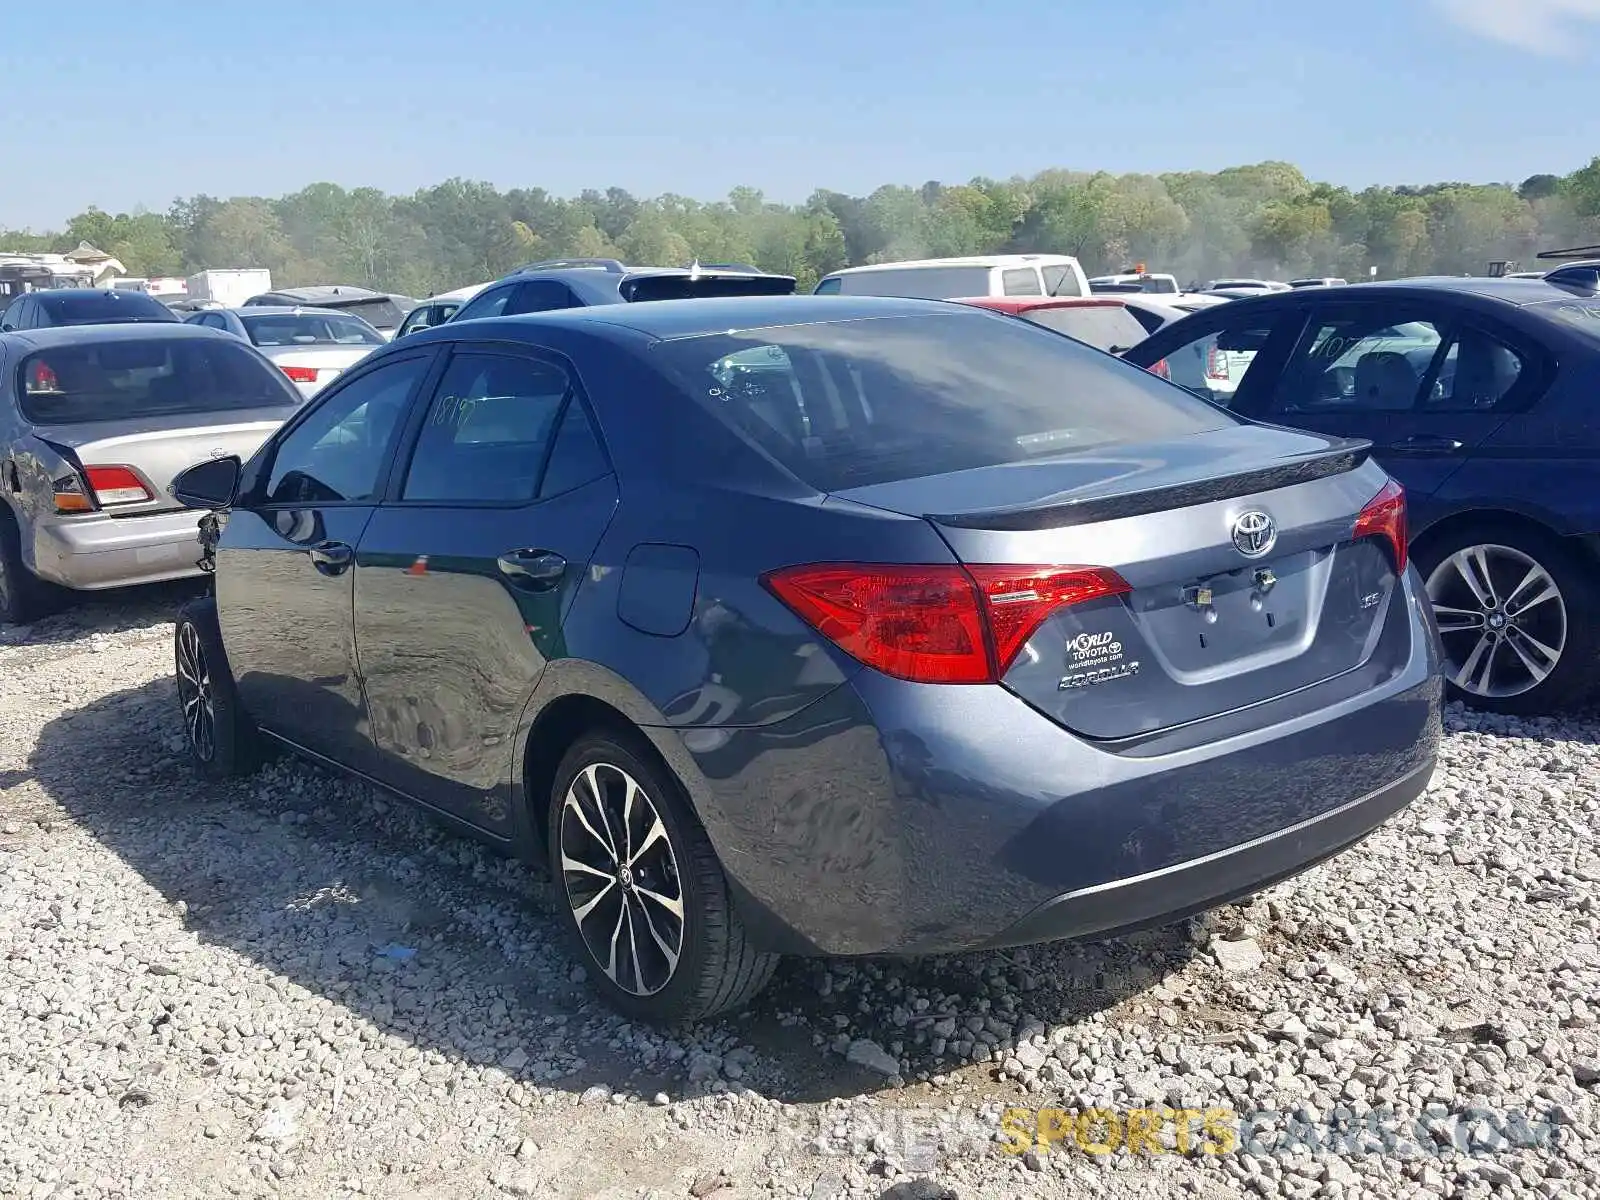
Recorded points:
(97,308)
(311,329)
(1103,326)
(682,287)
(112,381)
(851,403)
(381,313)
(921,283)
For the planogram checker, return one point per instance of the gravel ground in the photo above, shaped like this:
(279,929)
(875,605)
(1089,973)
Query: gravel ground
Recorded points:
(292,986)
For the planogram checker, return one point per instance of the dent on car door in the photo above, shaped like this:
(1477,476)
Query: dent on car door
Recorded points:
(464,576)
(285,590)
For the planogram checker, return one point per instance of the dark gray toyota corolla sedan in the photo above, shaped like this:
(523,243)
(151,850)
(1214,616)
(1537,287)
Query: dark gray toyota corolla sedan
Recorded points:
(818,626)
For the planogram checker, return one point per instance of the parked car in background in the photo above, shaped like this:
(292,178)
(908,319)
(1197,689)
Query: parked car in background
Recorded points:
(436,310)
(309,345)
(1155,285)
(190,304)
(94,422)
(950,278)
(1157,312)
(579,283)
(81,306)
(1478,395)
(1245,285)
(1098,321)
(384,311)
(1326,281)
(717,606)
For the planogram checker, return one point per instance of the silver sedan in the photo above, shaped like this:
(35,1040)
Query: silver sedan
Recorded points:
(312,346)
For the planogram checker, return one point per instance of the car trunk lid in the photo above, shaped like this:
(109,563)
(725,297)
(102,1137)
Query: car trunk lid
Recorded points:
(156,449)
(1246,577)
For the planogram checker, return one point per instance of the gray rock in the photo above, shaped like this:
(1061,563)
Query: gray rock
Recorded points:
(864,1052)
(1237,957)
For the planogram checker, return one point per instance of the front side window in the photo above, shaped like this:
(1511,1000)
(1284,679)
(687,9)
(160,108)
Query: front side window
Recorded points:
(487,431)
(337,453)
(842,404)
(487,304)
(1372,359)
(149,377)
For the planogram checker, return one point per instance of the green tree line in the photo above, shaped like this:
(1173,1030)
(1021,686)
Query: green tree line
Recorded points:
(1265,219)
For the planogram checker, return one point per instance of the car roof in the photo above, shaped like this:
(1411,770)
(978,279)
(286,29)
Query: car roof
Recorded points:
(1520,292)
(327,291)
(668,319)
(127,331)
(58,293)
(973,260)
(1022,304)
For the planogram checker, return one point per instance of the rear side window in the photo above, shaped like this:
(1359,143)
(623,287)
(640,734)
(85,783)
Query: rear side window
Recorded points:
(1021,281)
(1108,327)
(310,329)
(99,308)
(116,380)
(919,283)
(828,287)
(539,295)
(851,403)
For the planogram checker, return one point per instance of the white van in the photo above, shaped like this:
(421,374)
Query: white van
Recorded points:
(962,278)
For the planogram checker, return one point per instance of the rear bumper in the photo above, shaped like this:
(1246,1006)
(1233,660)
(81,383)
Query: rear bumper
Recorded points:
(90,553)
(893,818)
(1175,892)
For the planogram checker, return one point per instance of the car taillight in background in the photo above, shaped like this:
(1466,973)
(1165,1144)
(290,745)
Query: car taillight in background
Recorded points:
(935,624)
(301,374)
(1160,368)
(43,379)
(103,487)
(1385,517)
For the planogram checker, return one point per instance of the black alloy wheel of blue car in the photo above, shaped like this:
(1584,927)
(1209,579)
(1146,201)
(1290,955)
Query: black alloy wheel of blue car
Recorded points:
(222,741)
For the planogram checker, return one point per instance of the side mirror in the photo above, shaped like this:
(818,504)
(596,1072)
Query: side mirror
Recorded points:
(211,485)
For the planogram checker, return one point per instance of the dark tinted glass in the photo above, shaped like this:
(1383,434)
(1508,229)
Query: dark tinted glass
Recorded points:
(381,313)
(850,403)
(338,452)
(487,304)
(115,380)
(576,457)
(101,308)
(1105,327)
(487,430)
(539,295)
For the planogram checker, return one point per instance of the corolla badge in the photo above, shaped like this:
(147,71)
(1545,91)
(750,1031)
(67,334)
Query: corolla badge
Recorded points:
(1254,533)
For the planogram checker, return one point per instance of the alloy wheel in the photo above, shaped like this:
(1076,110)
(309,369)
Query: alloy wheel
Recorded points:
(195,694)
(621,878)
(1502,618)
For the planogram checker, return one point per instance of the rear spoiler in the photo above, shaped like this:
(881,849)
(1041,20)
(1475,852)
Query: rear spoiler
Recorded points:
(1344,456)
(1564,255)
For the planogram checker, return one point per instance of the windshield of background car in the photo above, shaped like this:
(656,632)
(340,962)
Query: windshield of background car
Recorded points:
(921,283)
(118,380)
(311,329)
(97,308)
(1104,326)
(851,403)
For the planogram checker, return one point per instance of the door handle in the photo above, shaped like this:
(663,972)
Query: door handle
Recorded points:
(1426,443)
(331,558)
(533,570)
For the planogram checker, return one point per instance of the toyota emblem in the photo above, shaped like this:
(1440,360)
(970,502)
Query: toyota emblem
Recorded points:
(1254,534)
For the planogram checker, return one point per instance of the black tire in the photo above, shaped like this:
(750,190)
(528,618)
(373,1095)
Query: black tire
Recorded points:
(24,597)
(716,967)
(205,690)
(1576,577)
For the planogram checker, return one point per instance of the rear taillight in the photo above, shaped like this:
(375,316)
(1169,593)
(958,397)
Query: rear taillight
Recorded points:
(117,485)
(43,379)
(1385,517)
(1216,365)
(1161,369)
(935,624)
(301,374)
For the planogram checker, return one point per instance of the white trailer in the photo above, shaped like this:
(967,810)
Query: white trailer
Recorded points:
(230,288)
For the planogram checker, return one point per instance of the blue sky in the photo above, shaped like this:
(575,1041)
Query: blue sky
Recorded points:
(124,105)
